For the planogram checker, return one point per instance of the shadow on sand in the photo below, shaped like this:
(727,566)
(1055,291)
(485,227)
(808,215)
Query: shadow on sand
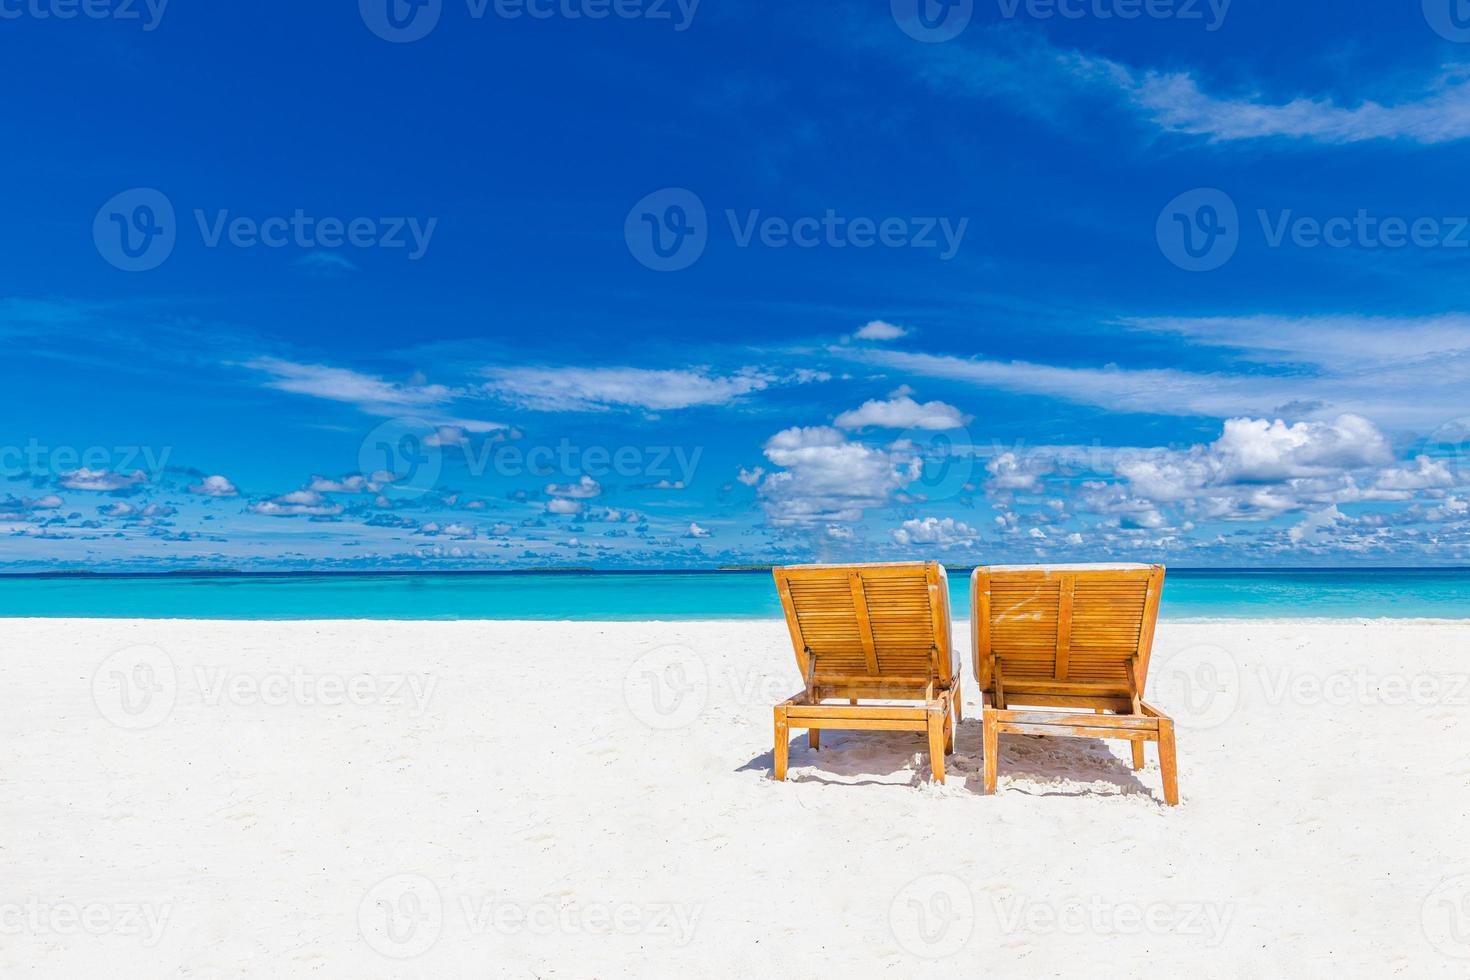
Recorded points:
(1029,764)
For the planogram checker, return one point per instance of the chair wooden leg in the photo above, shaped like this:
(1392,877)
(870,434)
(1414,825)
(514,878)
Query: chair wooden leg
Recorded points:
(936,745)
(814,738)
(949,729)
(959,703)
(783,744)
(1168,763)
(992,750)
(1137,755)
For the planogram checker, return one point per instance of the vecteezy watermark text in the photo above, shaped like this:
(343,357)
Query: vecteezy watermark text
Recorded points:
(937,21)
(1211,13)
(36,917)
(406,21)
(148,13)
(669,230)
(1201,230)
(403,916)
(138,229)
(414,452)
(36,458)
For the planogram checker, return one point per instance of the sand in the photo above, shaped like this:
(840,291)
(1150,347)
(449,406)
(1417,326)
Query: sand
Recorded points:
(355,799)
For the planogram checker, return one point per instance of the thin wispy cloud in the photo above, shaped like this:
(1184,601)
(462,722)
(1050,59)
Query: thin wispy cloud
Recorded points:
(1052,83)
(369,393)
(596,389)
(1176,102)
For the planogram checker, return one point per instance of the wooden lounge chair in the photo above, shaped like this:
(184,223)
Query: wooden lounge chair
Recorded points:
(1075,638)
(870,632)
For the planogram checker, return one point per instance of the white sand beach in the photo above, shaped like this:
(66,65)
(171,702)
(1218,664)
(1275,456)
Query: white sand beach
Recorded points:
(494,799)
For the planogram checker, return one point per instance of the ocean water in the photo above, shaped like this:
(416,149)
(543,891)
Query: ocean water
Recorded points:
(1188,594)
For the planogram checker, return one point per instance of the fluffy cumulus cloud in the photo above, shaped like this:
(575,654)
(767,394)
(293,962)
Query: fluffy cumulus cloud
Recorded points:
(100,480)
(1423,474)
(1255,462)
(826,478)
(880,330)
(563,506)
(584,489)
(1010,472)
(450,530)
(297,503)
(695,531)
(940,533)
(902,412)
(352,483)
(26,509)
(214,486)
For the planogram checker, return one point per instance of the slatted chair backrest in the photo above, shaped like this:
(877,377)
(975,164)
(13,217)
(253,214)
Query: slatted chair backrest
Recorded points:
(879,630)
(1065,631)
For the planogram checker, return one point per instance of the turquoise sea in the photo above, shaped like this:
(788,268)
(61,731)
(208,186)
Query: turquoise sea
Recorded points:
(1188,594)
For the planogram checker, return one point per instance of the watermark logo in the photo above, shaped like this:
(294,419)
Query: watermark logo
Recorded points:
(136,230)
(1450,19)
(1199,231)
(401,21)
(1451,442)
(401,917)
(666,688)
(1201,685)
(407,448)
(1446,916)
(946,459)
(668,230)
(933,21)
(933,916)
(135,688)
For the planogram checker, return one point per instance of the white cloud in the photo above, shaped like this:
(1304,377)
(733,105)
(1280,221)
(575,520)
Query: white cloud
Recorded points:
(561,505)
(584,489)
(1009,472)
(578,389)
(214,486)
(1175,102)
(750,477)
(1255,451)
(369,393)
(881,330)
(1315,528)
(1426,474)
(902,412)
(1402,372)
(840,532)
(1057,84)
(372,394)
(945,533)
(825,478)
(100,480)
(695,531)
(297,503)
(460,531)
(352,483)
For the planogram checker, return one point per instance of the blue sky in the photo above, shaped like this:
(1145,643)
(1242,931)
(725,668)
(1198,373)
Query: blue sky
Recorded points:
(649,283)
